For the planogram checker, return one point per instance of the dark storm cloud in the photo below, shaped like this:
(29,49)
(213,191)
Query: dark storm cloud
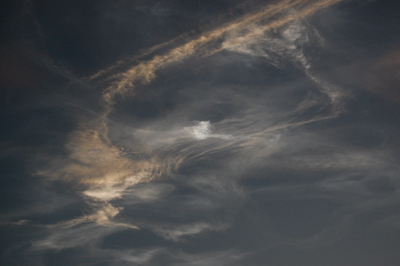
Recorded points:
(229,147)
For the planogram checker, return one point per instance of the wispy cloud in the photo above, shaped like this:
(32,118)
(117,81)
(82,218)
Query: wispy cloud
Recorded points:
(107,172)
(218,149)
(203,131)
(276,16)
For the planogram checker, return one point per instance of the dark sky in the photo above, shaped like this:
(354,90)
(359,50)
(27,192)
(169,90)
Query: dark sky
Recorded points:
(200,132)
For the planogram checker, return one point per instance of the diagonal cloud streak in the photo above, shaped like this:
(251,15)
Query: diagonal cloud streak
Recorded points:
(106,171)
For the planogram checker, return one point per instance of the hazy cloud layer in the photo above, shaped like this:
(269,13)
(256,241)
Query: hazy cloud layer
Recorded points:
(258,138)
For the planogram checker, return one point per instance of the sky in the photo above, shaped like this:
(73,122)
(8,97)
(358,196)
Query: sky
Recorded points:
(241,132)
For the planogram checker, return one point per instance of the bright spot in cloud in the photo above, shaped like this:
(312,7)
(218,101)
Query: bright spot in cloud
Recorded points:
(203,131)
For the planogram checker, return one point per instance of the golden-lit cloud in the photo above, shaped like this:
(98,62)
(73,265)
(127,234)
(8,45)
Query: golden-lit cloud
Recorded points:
(103,169)
(272,16)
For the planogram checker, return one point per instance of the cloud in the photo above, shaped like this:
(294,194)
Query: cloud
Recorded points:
(213,258)
(149,192)
(110,174)
(289,43)
(92,147)
(203,131)
(176,232)
(140,257)
(243,153)
(82,235)
(144,72)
